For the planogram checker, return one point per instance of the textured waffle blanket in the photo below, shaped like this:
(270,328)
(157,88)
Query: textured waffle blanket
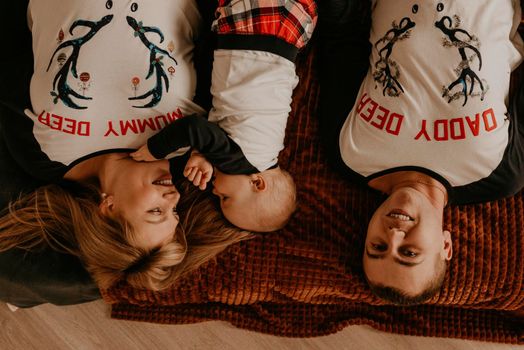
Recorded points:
(307,279)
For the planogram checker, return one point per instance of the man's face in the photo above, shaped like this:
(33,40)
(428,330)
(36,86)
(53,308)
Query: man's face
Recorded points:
(404,242)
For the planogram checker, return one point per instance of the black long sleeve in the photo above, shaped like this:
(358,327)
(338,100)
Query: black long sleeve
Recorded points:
(16,130)
(16,69)
(207,138)
(16,61)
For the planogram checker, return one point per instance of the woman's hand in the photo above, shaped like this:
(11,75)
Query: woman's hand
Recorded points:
(198,170)
(143,155)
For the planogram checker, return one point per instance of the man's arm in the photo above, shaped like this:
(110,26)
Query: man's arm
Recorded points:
(508,178)
(207,138)
(344,50)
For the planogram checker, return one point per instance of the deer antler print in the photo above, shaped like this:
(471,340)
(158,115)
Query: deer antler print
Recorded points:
(63,90)
(387,72)
(155,62)
(464,71)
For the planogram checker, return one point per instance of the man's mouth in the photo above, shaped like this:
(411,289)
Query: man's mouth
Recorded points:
(400,215)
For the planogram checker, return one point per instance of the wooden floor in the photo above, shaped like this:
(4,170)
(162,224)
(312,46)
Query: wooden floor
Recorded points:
(88,326)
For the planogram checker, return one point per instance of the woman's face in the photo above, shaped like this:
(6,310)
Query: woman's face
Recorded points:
(143,194)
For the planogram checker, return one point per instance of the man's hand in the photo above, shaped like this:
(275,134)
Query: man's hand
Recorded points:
(198,170)
(142,155)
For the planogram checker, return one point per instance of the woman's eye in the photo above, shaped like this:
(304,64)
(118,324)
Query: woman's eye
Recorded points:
(175,213)
(409,253)
(156,211)
(379,247)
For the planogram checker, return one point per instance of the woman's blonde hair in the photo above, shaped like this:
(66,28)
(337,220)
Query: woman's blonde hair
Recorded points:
(68,219)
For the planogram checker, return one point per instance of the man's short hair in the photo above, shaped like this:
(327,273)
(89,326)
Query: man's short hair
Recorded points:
(400,297)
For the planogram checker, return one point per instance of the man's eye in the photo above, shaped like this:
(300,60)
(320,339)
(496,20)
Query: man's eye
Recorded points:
(156,211)
(379,247)
(409,253)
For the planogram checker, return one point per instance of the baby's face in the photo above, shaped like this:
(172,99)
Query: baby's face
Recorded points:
(237,198)
(231,189)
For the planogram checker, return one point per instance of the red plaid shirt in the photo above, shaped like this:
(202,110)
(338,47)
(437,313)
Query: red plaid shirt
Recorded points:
(292,21)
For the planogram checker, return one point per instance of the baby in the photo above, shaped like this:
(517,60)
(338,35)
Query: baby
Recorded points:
(251,199)
(252,82)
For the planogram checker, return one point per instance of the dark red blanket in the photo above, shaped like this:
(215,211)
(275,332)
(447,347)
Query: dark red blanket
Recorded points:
(307,280)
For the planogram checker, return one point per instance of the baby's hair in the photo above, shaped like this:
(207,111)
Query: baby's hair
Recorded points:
(275,208)
(400,297)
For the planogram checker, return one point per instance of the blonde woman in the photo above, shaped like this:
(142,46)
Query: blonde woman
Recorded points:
(106,76)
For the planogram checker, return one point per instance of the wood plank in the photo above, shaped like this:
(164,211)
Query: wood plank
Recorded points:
(88,327)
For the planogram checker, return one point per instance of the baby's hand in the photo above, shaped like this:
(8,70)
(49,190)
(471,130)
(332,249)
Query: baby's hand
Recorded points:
(143,155)
(198,170)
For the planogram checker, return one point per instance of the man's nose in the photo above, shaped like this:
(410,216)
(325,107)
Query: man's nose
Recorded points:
(396,232)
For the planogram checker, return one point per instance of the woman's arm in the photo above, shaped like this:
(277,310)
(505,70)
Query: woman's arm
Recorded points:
(16,131)
(16,61)
(16,69)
